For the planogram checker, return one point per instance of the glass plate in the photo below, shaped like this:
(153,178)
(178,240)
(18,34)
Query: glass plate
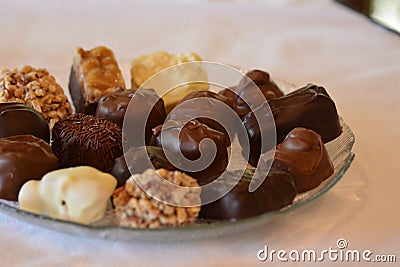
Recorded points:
(339,150)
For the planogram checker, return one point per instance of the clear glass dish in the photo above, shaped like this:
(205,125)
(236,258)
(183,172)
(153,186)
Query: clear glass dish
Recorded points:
(340,151)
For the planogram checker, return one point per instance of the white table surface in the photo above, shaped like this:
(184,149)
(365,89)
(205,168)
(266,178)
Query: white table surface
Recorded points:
(298,40)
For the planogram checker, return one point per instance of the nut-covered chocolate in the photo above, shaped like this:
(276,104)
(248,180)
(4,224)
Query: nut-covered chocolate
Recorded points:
(20,119)
(23,158)
(309,107)
(36,87)
(276,191)
(304,156)
(138,208)
(139,159)
(203,149)
(208,110)
(87,140)
(249,88)
(146,111)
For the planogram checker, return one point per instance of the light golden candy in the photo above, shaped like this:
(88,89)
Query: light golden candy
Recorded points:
(78,194)
(146,66)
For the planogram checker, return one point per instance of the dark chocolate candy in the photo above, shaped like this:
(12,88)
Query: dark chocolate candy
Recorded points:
(190,138)
(146,111)
(113,106)
(207,111)
(23,158)
(139,159)
(87,140)
(275,192)
(78,95)
(20,119)
(248,88)
(304,156)
(310,107)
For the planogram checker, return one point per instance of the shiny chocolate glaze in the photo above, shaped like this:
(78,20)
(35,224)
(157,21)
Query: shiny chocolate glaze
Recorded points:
(310,107)
(275,192)
(23,158)
(196,142)
(20,119)
(304,156)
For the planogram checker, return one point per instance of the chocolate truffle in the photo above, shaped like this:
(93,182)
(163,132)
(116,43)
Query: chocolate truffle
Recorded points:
(94,73)
(304,156)
(310,107)
(204,152)
(20,119)
(146,111)
(248,87)
(209,110)
(275,192)
(140,159)
(23,158)
(86,140)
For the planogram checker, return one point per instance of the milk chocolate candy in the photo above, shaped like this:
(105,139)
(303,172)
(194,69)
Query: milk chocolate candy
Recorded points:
(23,158)
(245,95)
(139,159)
(95,73)
(304,156)
(146,111)
(309,107)
(83,139)
(20,119)
(275,192)
(204,153)
(208,108)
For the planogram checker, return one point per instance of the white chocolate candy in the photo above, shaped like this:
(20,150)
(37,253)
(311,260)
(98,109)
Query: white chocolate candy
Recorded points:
(78,194)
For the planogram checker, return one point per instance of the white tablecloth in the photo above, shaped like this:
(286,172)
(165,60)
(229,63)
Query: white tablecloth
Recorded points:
(298,40)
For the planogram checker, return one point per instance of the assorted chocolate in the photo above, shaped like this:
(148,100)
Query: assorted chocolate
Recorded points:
(246,95)
(94,73)
(304,156)
(82,139)
(138,208)
(23,158)
(139,159)
(309,107)
(189,137)
(146,111)
(80,194)
(37,88)
(276,191)
(74,178)
(20,118)
(208,108)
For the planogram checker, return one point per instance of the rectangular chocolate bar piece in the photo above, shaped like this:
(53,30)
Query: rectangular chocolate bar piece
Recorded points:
(94,73)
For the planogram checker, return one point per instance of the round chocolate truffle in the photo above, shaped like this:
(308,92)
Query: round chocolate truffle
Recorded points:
(276,191)
(23,158)
(140,159)
(192,147)
(304,156)
(83,139)
(20,119)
